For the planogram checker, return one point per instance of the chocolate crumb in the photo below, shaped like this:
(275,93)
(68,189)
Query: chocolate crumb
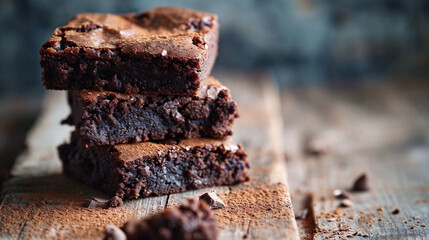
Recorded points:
(301,215)
(423,225)
(115,202)
(192,219)
(114,233)
(199,41)
(213,200)
(396,211)
(361,184)
(97,203)
(340,194)
(346,203)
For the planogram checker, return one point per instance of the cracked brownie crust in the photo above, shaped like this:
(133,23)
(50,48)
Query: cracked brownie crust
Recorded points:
(153,169)
(107,118)
(167,50)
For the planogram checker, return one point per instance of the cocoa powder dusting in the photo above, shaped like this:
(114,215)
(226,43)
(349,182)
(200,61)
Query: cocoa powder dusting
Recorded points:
(54,208)
(250,203)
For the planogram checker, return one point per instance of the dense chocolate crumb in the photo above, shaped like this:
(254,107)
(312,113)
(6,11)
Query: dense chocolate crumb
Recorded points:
(191,220)
(153,169)
(361,184)
(109,118)
(213,200)
(114,233)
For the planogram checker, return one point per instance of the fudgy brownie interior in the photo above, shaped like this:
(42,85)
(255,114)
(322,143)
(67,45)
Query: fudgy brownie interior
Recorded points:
(153,169)
(103,118)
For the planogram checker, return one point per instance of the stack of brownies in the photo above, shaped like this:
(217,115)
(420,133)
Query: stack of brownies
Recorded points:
(149,118)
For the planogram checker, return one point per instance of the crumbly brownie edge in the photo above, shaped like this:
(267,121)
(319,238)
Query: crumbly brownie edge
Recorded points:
(171,171)
(75,68)
(90,165)
(111,120)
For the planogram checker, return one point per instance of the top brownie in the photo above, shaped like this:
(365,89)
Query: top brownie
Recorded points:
(167,50)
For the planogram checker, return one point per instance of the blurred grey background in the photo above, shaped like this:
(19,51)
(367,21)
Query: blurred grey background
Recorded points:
(303,42)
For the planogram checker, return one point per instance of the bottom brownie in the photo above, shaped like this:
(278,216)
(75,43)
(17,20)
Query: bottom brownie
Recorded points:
(152,169)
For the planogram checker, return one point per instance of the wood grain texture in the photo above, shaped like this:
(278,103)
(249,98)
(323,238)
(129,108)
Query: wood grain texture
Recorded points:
(39,202)
(382,131)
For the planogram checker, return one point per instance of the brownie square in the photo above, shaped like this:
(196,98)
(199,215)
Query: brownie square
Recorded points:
(153,169)
(167,50)
(106,118)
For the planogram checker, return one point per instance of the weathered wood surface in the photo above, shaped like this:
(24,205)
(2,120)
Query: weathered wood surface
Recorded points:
(379,130)
(39,202)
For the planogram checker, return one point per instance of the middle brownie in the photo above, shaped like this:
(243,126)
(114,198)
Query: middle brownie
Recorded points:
(106,118)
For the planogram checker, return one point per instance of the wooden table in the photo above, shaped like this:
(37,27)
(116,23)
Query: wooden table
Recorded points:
(380,130)
(39,202)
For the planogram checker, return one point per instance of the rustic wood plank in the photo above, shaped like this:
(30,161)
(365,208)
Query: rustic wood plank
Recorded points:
(259,129)
(39,202)
(380,130)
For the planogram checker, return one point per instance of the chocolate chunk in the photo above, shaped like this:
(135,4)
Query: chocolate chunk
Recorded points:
(97,203)
(340,194)
(396,211)
(212,199)
(361,184)
(114,233)
(346,203)
(115,202)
